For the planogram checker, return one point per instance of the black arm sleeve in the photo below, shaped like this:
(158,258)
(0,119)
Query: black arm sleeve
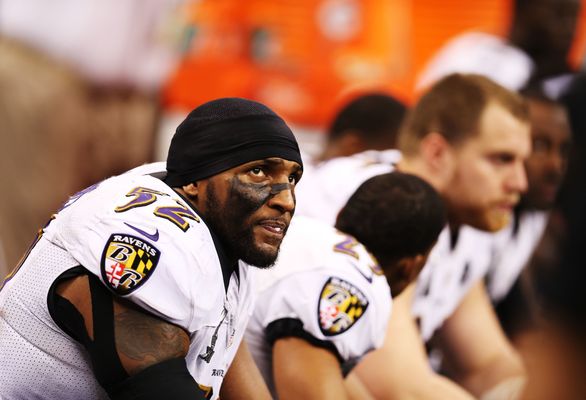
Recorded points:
(292,327)
(167,380)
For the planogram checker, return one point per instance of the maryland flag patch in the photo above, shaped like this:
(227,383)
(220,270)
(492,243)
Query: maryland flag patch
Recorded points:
(341,305)
(127,262)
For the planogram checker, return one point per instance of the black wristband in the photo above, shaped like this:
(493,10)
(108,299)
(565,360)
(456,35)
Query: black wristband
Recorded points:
(166,380)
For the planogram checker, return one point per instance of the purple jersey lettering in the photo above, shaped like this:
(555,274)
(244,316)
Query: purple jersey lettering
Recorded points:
(346,246)
(142,197)
(177,215)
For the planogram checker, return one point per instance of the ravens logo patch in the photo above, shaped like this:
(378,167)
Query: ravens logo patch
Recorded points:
(127,262)
(341,305)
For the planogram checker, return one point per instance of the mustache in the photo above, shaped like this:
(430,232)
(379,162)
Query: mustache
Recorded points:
(280,222)
(512,199)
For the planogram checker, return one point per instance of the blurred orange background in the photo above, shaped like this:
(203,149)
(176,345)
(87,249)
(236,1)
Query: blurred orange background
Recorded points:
(301,57)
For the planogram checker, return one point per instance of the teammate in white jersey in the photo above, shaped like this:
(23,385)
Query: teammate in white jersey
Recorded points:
(140,286)
(327,301)
(366,125)
(468,137)
(331,183)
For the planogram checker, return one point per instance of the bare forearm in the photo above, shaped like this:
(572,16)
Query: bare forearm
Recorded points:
(243,379)
(477,354)
(400,369)
(303,371)
(355,389)
(496,371)
(443,388)
(415,387)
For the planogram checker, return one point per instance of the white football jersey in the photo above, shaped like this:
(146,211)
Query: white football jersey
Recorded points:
(449,272)
(448,275)
(325,288)
(327,186)
(146,244)
(512,248)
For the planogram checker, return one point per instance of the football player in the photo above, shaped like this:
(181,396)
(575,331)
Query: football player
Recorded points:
(140,286)
(327,301)
(468,137)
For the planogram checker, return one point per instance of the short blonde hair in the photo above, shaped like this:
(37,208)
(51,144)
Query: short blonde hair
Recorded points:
(453,108)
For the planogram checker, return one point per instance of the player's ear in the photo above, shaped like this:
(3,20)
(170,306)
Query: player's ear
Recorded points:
(191,190)
(196,194)
(434,148)
(418,263)
(405,271)
(439,158)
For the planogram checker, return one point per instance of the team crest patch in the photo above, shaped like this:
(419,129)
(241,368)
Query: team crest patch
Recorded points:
(127,262)
(341,305)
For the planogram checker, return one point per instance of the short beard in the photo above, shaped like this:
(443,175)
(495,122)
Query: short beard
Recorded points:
(235,235)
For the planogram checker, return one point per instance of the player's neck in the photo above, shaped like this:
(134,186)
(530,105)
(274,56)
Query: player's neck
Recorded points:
(416,166)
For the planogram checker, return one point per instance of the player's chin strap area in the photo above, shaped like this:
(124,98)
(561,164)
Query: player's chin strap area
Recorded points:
(166,380)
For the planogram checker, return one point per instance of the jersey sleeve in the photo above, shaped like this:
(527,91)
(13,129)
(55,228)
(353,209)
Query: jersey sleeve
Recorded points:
(162,262)
(331,312)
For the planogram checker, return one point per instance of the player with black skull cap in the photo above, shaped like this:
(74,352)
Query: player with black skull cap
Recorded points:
(140,286)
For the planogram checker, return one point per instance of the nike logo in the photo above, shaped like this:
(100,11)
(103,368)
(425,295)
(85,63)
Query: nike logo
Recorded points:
(154,237)
(368,278)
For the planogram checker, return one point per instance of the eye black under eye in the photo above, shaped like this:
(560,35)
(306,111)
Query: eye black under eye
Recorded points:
(294,178)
